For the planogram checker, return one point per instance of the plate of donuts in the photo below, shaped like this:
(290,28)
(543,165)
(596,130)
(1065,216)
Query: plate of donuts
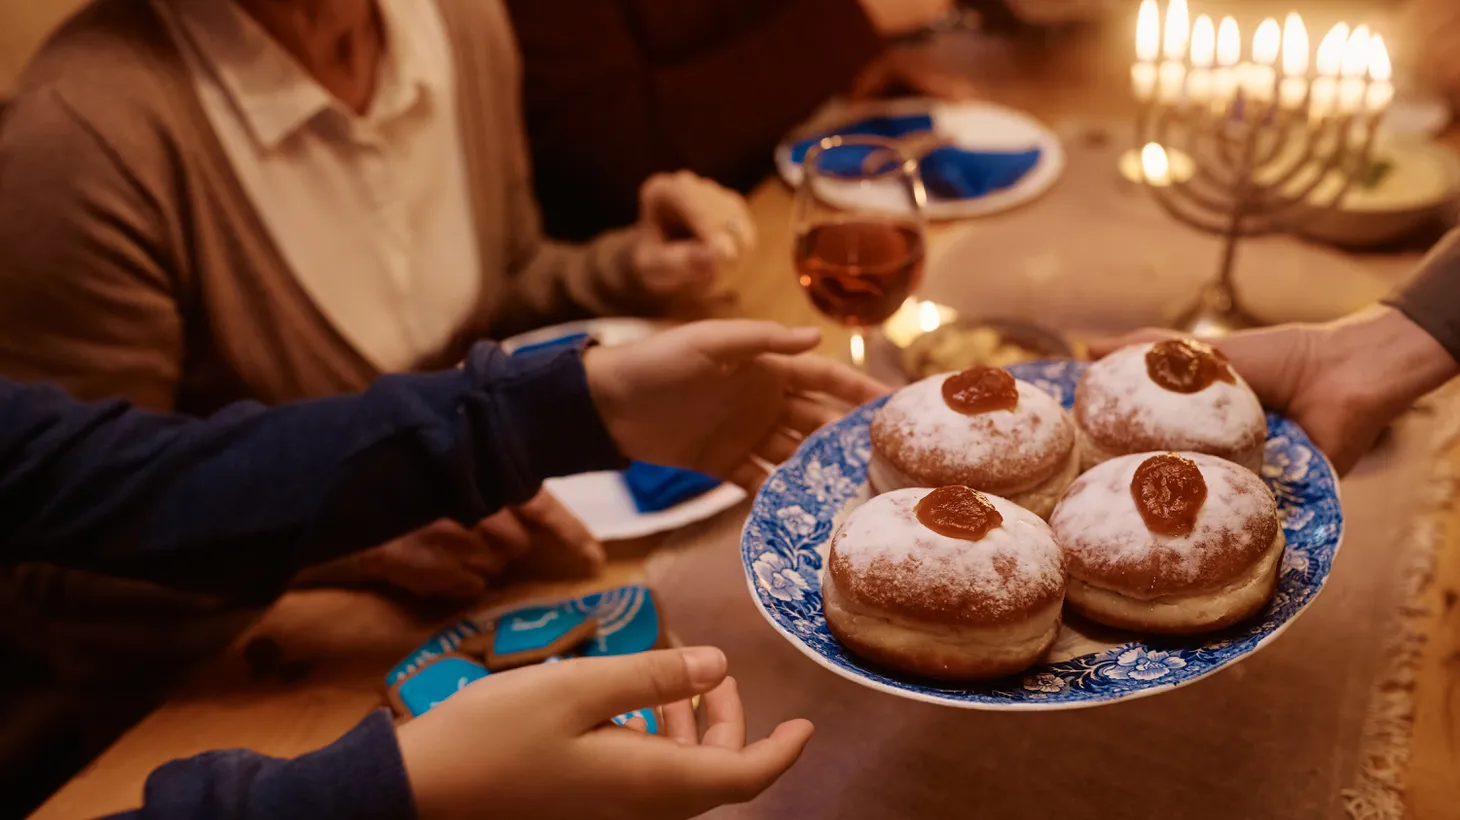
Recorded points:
(1053,535)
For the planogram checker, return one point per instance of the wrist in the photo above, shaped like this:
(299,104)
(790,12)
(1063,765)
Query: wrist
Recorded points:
(1388,356)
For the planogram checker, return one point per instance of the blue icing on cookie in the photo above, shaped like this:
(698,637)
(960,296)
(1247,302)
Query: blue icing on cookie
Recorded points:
(442,642)
(650,719)
(536,627)
(628,620)
(437,682)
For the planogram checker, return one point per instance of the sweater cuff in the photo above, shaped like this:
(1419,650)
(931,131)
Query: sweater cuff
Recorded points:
(1432,299)
(360,776)
(543,397)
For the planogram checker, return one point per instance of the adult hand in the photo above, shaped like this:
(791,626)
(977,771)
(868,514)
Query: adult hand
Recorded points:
(1343,382)
(445,561)
(895,18)
(720,397)
(689,228)
(536,742)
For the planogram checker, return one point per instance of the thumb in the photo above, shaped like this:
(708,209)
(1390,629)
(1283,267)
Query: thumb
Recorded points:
(1104,346)
(597,689)
(732,340)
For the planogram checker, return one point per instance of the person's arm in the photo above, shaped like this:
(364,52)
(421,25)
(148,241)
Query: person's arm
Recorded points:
(1432,299)
(360,776)
(88,273)
(241,500)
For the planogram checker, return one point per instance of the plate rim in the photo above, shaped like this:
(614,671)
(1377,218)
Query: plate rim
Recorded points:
(1046,172)
(1032,705)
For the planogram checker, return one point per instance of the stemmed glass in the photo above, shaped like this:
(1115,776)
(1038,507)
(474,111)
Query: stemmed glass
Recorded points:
(858,228)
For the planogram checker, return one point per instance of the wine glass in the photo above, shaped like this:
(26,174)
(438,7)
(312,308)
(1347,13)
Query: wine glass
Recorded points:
(858,228)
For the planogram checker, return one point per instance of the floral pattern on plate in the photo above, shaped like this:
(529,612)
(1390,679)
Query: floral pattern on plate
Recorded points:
(797,508)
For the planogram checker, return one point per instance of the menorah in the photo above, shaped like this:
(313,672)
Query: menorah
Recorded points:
(1266,149)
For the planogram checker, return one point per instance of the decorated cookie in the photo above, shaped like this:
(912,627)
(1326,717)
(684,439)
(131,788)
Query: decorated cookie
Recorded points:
(417,693)
(536,633)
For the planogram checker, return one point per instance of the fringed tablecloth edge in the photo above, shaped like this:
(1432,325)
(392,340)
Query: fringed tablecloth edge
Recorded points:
(1379,789)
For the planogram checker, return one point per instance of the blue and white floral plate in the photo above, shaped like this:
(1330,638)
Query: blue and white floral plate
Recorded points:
(798,509)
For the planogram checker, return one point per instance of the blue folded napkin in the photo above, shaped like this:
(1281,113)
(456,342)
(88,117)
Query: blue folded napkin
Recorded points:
(653,488)
(657,488)
(948,172)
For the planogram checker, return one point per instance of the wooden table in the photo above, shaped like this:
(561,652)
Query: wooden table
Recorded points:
(341,643)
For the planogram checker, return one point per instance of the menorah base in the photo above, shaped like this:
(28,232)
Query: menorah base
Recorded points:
(1215,313)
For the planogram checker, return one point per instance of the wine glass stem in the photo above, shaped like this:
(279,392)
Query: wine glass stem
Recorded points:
(859,348)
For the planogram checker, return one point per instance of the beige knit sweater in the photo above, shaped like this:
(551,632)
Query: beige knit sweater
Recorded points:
(132,262)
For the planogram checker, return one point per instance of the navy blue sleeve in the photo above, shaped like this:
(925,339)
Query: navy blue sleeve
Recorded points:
(360,776)
(242,500)
(1432,298)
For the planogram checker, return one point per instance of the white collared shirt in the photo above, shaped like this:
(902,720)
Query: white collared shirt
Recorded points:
(371,212)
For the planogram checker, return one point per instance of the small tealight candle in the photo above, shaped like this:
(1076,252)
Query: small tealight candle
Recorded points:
(1203,52)
(1155,168)
(1258,77)
(1178,30)
(1148,48)
(1381,90)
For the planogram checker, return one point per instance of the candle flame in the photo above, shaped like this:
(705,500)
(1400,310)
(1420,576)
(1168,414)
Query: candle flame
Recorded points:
(1330,51)
(1155,166)
(1356,53)
(1203,42)
(1295,46)
(1379,67)
(1265,42)
(1148,32)
(1229,43)
(928,318)
(858,350)
(1178,29)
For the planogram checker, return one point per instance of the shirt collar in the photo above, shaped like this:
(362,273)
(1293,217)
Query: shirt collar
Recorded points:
(274,95)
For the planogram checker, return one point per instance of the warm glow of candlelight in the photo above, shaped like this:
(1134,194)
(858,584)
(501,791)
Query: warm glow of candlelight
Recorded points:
(859,350)
(1381,91)
(1295,46)
(1330,51)
(1265,42)
(1324,98)
(928,317)
(1143,80)
(1155,167)
(1148,32)
(1356,53)
(1229,43)
(1178,29)
(1172,79)
(1203,42)
(1379,68)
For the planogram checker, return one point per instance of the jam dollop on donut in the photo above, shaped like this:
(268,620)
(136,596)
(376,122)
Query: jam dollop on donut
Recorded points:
(980,390)
(958,512)
(1169,492)
(1187,366)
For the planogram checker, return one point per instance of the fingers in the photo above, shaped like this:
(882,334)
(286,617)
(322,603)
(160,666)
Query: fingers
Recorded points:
(680,724)
(749,476)
(805,415)
(599,688)
(685,203)
(816,374)
(778,447)
(1100,348)
(546,512)
(730,341)
(505,534)
(724,716)
(704,775)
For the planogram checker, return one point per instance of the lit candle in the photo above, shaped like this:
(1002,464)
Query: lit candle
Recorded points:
(1203,52)
(1229,51)
(1155,168)
(1178,29)
(1294,86)
(1172,78)
(1381,91)
(1259,77)
(1324,99)
(1148,48)
(1354,66)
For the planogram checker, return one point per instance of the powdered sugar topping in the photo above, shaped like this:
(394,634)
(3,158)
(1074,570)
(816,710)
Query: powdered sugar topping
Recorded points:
(1100,528)
(1012,563)
(1021,445)
(1118,398)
